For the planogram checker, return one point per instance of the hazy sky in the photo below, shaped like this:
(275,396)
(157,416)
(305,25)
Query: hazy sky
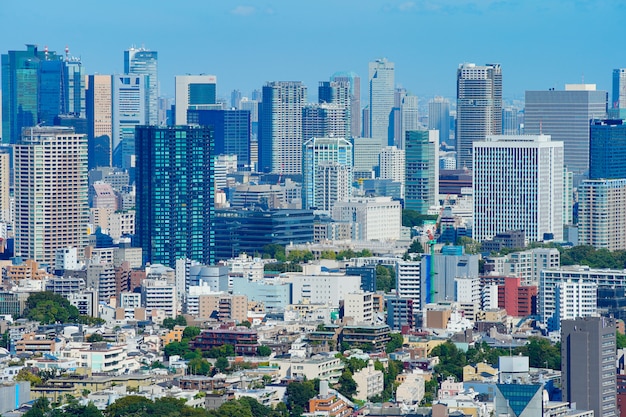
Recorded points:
(540,43)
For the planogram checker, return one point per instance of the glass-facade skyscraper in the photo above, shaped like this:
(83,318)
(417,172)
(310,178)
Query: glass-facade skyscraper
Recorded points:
(142,61)
(439,118)
(355,99)
(381,92)
(231,132)
(607,149)
(194,92)
(478,107)
(175,193)
(421,170)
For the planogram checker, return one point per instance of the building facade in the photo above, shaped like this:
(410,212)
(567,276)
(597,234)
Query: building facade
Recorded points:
(478,108)
(194,92)
(141,61)
(381,93)
(422,170)
(607,149)
(518,185)
(602,214)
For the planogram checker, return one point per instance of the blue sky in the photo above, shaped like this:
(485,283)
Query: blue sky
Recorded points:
(540,43)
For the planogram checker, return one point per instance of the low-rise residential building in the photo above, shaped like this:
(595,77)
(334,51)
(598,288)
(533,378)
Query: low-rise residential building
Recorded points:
(411,391)
(324,366)
(245,341)
(369,381)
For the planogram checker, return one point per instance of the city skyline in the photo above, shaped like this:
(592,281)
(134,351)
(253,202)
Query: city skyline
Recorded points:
(539,46)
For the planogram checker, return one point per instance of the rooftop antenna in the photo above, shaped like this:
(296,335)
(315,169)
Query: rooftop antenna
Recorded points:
(67,53)
(45,50)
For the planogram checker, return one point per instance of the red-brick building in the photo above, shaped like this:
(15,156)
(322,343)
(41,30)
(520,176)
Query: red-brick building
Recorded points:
(517,300)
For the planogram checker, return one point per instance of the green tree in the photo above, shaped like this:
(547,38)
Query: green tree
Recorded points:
(199,366)
(26,374)
(191,332)
(49,308)
(275,251)
(76,410)
(131,405)
(222,364)
(169,323)
(245,323)
(620,340)
(451,360)
(180,321)
(176,348)
(328,254)
(347,385)
(299,394)
(396,342)
(264,350)
(385,278)
(95,337)
(412,218)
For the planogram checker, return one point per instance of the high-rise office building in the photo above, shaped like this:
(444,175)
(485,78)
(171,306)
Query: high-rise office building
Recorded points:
(231,132)
(602,213)
(99,101)
(439,118)
(5,203)
(280,127)
(618,98)
(235,99)
(325,120)
(175,194)
(128,110)
(51,210)
(518,185)
(34,90)
(315,151)
(511,121)
(421,187)
(409,118)
(565,116)
(76,85)
(478,107)
(365,151)
(391,165)
(381,92)
(338,94)
(141,61)
(355,98)
(333,183)
(195,92)
(588,364)
(607,149)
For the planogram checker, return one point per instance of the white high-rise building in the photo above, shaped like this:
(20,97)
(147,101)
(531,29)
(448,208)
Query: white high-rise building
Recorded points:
(141,61)
(478,107)
(518,185)
(325,120)
(602,214)
(51,209)
(5,202)
(391,163)
(573,299)
(381,89)
(333,182)
(379,218)
(359,307)
(194,92)
(316,151)
(408,280)
(159,294)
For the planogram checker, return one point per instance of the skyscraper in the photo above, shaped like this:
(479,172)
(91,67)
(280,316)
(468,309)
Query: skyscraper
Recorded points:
(194,92)
(325,120)
(607,149)
(478,107)
(99,100)
(439,118)
(518,185)
(602,214)
(280,127)
(129,93)
(565,116)
(337,93)
(76,87)
(588,364)
(141,61)
(421,187)
(618,98)
(331,151)
(34,89)
(175,192)
(381,89)
(355,99)
(51,210)
(5,204)
(231,133)
(409,117)
(391,165)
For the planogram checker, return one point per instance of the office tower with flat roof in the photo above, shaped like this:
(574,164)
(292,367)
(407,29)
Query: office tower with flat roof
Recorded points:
(231,133)
(409,116)
(325,120)
(129,110)
(421,187)
(99,102)
(381,92)
(602,213)
(478,107)
(338,94)
(280,127)
(518,185)
(34,89)
(355,98)
(607,149)
(328,150)
(618,97)
(565,116)
(365,151)
(5,203)
(141,61)
(51,210)
(391,165)
(195,92)
(588,364)
(76,85)
(439,118)
(235,99)
(175,194)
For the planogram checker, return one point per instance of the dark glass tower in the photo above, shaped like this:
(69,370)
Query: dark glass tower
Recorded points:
(175,192)
(607,149)
(231,131)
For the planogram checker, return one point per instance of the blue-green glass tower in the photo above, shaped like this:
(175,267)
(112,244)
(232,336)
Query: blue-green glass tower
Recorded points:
(34,89)
(422,170)
(175,193)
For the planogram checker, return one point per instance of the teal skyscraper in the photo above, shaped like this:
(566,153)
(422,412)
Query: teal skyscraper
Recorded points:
(175,193)
(422,170)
